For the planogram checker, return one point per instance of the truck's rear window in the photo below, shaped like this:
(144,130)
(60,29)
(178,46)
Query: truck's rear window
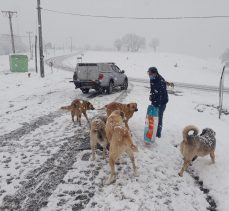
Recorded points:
(87,64)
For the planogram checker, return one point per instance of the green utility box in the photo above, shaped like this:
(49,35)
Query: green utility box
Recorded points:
(18,63)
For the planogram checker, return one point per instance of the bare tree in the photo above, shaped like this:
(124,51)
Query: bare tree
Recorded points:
(154,43)
(118,44)
(48,45)
(225,56)
(133,42)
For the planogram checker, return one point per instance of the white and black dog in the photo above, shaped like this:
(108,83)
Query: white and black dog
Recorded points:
(196,145)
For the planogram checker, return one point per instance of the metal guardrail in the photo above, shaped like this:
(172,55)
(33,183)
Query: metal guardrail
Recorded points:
(222,89)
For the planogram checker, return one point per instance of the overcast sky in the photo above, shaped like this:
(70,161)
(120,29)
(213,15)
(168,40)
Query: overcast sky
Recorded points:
(200,37)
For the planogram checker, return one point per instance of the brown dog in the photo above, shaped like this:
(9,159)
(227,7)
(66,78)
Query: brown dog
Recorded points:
(120,142)
(98,135)
(196,145)
(128,109)
(79,107)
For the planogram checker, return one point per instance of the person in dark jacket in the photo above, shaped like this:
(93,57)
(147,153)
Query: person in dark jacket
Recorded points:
(158,95)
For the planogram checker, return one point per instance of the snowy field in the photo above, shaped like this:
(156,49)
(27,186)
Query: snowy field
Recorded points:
(173,67)
(43,166)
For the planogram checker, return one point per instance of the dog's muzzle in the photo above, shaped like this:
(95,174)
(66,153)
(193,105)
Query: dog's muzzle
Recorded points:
(136,109)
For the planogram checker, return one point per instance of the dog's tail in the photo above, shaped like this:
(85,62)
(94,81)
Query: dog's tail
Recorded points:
(187,129)
(69,108)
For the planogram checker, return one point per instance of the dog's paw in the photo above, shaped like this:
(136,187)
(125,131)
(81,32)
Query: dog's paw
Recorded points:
(180,174)
(110,180)
(136,173)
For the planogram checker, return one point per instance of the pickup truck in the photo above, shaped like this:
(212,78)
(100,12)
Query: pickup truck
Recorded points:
(99,76)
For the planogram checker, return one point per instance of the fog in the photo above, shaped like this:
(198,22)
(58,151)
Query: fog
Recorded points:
(199,37)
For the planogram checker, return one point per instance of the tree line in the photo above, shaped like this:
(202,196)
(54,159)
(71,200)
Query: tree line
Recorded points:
(133,43)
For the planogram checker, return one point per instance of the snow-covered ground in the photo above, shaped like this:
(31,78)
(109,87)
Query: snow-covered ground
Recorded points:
(173,67)
(38,141)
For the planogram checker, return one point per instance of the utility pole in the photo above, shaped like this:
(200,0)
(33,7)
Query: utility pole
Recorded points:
(10,15)
(30,46)
(36,52)
(40,40)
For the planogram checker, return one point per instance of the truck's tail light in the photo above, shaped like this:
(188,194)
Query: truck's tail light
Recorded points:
(100,76)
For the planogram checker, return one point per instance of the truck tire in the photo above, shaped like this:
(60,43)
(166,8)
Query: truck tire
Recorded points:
(125,85)
(110,87)
(100,90)
(85,91)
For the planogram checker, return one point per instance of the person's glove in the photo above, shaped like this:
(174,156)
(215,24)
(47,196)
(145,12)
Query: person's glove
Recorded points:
(150,98)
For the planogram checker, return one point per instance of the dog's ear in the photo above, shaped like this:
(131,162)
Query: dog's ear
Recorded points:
(203,132)
(88,104)
(128,105)
(122,114)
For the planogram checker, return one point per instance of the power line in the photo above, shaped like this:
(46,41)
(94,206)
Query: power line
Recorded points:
(15,35)
(138,18)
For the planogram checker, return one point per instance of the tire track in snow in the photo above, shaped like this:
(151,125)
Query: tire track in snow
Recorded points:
(33,125)
(29,127)
(41,182)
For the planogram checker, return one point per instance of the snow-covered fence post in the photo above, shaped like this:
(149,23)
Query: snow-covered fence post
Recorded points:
(221,89)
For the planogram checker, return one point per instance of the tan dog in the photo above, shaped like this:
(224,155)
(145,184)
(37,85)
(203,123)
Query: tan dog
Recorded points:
(196,145)
(171,84)
(128,109)
(120,142)
(79,107)
(98,135)
(116,118)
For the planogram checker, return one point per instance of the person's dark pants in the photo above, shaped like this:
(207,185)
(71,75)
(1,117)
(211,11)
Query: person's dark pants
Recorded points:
(160,119)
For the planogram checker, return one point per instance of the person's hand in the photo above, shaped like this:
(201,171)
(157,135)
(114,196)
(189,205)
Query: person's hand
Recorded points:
(150,98)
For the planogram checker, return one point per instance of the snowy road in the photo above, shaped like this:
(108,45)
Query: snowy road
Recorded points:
(45,158)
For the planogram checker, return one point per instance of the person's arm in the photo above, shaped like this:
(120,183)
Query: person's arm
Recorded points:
(155,94)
